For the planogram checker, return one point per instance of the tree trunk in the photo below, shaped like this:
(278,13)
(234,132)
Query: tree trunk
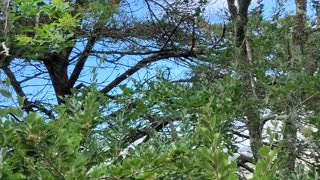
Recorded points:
(239,16)
(57,67)
(290,137)
(299,38)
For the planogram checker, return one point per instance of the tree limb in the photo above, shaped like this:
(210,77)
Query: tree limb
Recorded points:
(18,89)
(240,134)
(14,82)
(141,64)
(82,60)
(31,77)
(128,53)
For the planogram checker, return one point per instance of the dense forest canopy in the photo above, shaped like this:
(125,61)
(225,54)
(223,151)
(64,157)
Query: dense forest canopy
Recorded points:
(244,106)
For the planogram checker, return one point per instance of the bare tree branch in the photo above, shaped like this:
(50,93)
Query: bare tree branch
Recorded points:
(240,134)
(14,82)
(31,77)
(81,61)
(28,106)
(128,53)
(143,63)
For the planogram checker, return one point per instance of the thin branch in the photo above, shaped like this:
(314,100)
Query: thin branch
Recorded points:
(28,106)
(82,60)
(246,167)
(151,11)
(157,126)
(190,80)
(127,53)
(172,33)
(222,35)
(31,77)
(82,85)
(15,118)
(245,159)
(240,134)
(14,82)
(141,64)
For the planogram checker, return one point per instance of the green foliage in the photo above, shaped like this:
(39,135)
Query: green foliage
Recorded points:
(301,173)
(85,142)
(157,130)
(48,26)
(266,167)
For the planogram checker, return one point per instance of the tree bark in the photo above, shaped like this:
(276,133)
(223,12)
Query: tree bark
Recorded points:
(239,16)
(299,38)
(290,138)
(57,66)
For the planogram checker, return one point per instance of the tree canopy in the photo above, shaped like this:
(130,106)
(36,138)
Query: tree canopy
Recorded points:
(73,107)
